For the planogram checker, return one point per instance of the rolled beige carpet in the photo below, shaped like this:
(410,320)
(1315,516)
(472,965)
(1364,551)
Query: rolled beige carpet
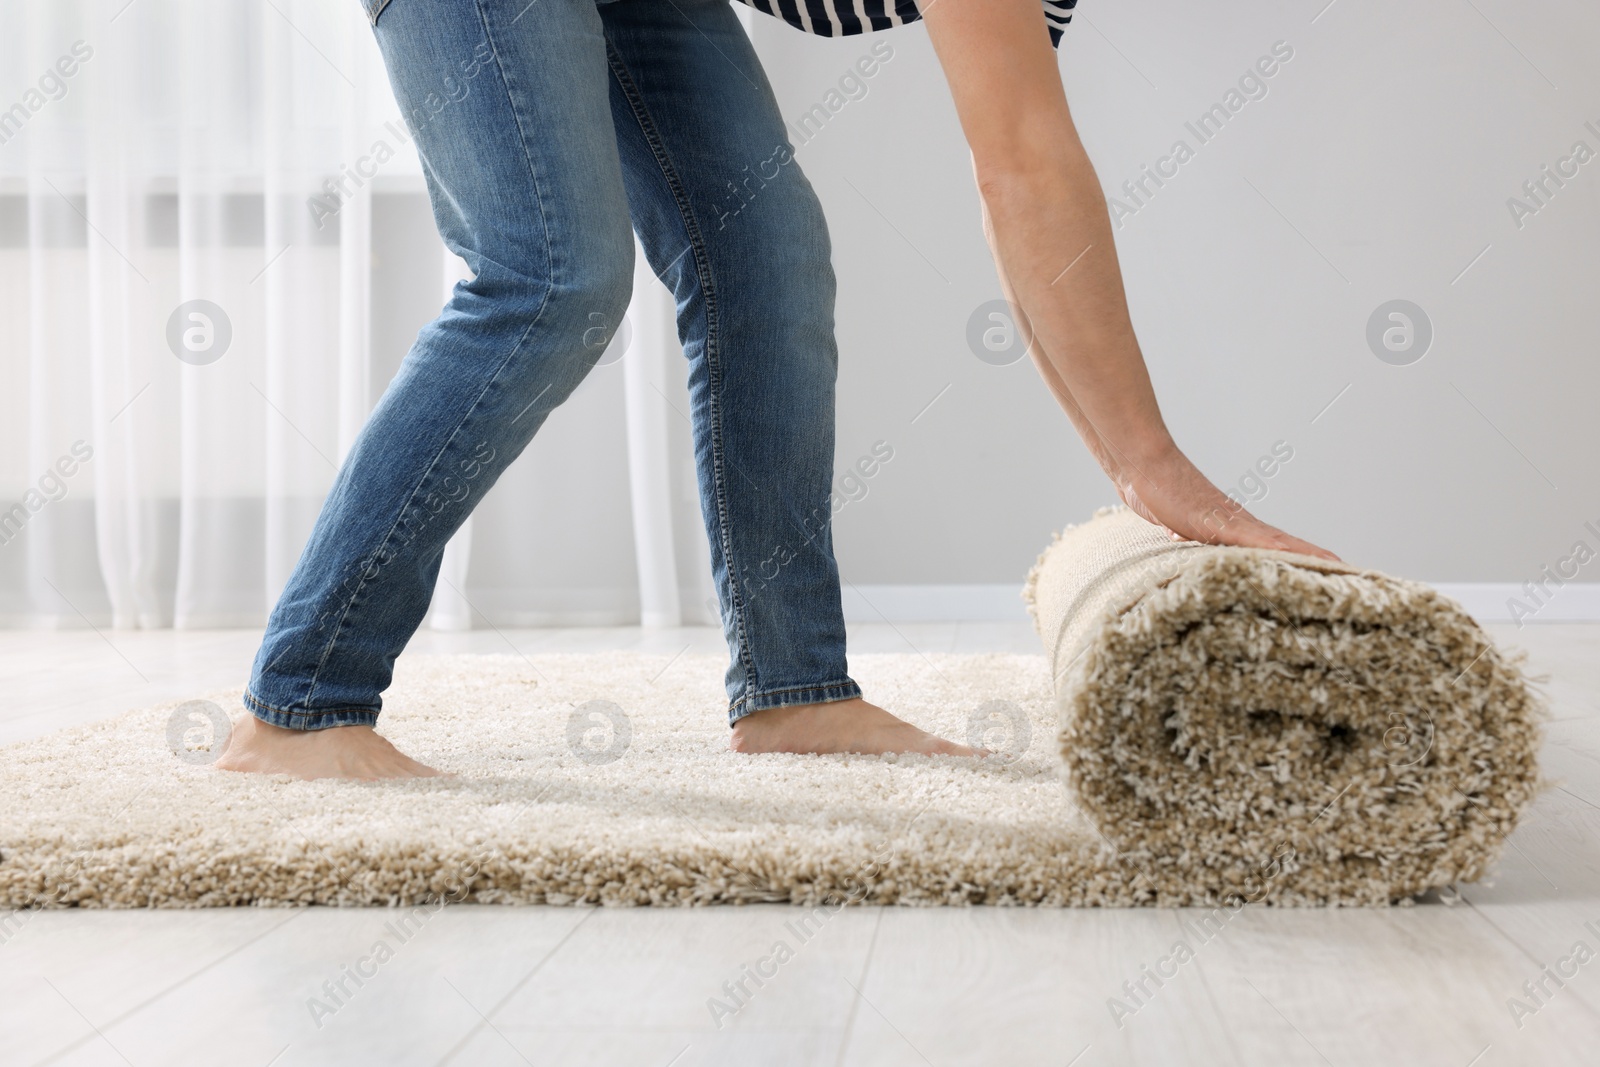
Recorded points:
(1270,726)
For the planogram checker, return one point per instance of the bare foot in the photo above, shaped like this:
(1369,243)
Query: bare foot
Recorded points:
(337,752)
(837,726)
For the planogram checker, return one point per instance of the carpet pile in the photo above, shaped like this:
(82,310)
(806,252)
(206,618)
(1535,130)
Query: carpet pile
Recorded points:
(1253,724)
(1206,727)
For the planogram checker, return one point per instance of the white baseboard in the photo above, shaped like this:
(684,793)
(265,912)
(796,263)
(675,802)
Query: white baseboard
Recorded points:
(1493,601)
(1484,601)
(934,603)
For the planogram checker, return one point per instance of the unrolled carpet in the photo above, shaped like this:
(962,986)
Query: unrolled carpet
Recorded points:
(1227,719)
(582,778)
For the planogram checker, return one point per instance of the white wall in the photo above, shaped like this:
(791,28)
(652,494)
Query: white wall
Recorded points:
(1378,166)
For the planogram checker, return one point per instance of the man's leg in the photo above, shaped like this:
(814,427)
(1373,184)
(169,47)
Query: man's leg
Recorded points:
(509,105)
(733,227)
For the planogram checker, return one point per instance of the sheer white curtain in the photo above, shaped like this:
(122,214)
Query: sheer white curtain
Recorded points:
(191,192)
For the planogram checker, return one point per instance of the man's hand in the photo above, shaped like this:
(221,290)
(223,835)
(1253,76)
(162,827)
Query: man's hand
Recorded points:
(1170,492)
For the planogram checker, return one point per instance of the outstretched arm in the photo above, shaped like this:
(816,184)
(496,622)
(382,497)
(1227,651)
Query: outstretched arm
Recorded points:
(1046,220)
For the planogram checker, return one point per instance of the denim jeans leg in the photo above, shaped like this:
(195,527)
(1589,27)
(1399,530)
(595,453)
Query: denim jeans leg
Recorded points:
(508,103)
(731,224)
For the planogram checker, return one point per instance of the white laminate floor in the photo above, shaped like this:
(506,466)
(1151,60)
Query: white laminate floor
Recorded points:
(1428,985)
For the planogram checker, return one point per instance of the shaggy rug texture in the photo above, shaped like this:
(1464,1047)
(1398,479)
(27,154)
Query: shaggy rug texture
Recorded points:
(600,778)
(1233,726)
(1258,724)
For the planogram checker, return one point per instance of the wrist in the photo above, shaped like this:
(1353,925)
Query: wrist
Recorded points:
(1146,450)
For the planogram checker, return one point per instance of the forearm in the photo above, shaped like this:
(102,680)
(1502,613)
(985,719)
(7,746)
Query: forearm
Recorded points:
(1041,360)
(1051,238)
(1051,234)
(1047,224)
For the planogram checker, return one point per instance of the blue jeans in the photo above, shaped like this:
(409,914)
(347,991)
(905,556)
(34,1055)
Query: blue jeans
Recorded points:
(543,128)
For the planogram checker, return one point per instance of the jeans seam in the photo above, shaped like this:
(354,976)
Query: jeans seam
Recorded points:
(845,685)
(544,301)
(253,702)
(835,684)
(527,157)
(691,227)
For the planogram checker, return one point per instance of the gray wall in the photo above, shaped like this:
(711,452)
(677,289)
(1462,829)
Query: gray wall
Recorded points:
(1378,166)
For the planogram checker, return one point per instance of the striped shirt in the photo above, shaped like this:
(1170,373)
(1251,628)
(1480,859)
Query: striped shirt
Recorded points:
(843,18)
